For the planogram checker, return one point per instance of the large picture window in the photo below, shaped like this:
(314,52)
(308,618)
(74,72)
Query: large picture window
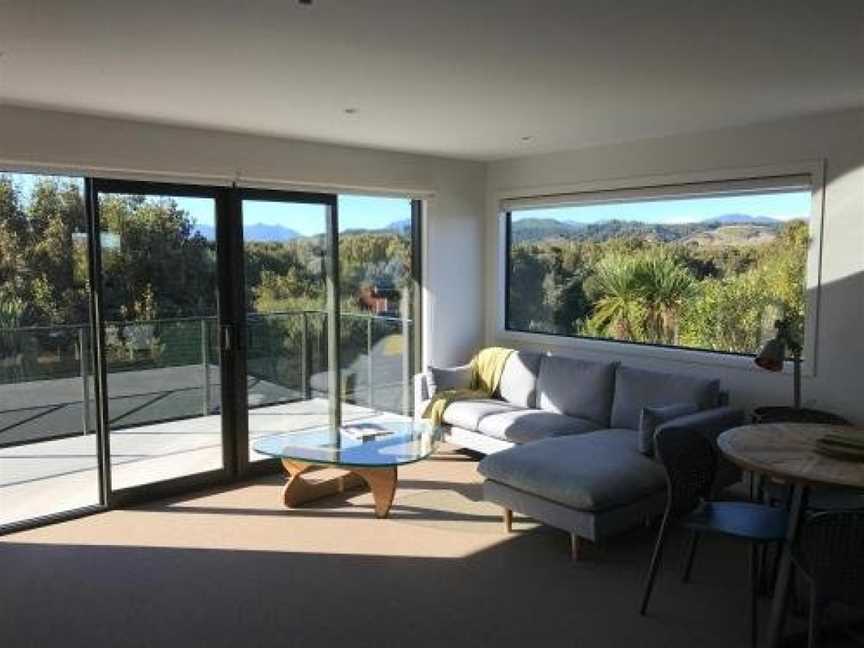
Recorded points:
(707,267)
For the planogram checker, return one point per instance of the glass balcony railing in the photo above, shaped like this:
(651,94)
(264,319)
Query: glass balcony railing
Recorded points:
(168,369)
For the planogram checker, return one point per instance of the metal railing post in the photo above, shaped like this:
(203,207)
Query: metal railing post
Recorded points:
(205,365)
(305,360)
(370,372)
(271,356)
(407,399)
(84,354)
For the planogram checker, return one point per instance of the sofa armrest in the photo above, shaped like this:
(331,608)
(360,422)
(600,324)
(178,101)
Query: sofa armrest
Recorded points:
(421,394)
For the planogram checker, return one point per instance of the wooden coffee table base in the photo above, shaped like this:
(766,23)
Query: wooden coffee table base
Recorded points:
(299,490)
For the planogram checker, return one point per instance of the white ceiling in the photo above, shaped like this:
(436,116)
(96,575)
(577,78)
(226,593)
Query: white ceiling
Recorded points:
(465,78)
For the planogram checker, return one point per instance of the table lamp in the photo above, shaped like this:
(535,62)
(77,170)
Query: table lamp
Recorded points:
(773,355)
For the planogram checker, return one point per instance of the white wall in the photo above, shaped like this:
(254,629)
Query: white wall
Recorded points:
(838,138)
(454,190)
(461,262)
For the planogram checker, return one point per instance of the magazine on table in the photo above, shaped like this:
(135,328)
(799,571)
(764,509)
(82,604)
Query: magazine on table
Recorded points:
(365,431)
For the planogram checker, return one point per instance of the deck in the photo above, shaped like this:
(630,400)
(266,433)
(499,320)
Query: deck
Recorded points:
(42,472)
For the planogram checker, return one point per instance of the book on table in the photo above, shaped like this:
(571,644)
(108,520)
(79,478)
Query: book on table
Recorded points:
(842,445)
(365,431)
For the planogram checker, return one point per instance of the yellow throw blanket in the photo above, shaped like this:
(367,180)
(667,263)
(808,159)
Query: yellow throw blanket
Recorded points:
(486,367)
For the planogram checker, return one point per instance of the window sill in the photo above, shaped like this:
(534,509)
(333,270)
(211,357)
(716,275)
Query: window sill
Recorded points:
(666,354)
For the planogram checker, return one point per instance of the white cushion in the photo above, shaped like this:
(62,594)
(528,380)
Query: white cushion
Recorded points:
(467,414)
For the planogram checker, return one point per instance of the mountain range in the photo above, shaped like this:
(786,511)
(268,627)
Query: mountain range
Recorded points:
(255,232)
(726,228)
(742,219)
(279,234)
(401,227)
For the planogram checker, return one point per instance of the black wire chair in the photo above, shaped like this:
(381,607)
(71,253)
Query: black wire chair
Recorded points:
(691,463)
(829,551)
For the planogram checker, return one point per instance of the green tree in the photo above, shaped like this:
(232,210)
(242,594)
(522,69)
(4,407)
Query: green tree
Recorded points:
(289,291)
(527,275)
(150,245)
(619,312)
(784,264)
(727,314)
(640,296)
(734,313)
(56,214)
(665,286)
(39,259)
(374,260)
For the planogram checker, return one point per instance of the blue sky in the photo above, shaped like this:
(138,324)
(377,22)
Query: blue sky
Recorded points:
(371,212)
(355,212)
(782,206)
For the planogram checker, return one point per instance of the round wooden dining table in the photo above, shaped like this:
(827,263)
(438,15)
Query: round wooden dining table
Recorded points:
(786,452)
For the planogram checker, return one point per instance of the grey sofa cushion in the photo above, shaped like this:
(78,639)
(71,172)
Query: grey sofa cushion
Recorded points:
(638,388)
(467,414)
(524,426)
(588,472)
(442,378)
(652,417)
(519,379)
(575,387)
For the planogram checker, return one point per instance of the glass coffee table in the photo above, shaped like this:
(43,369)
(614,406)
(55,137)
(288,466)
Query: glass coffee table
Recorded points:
(370,452)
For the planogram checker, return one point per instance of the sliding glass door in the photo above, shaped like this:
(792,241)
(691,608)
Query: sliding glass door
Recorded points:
(331,298)
(159,319)
(289,298)
(150,332)
(49,459)
(378,296)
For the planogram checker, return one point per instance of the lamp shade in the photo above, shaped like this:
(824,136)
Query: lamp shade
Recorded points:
(772,356)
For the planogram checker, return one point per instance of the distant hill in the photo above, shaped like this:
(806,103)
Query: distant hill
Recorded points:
(530,229)
(536,229)
(736,229)
(255,232)
(742,219)
(262,232)
(732,235)
(278,234)
(400,226)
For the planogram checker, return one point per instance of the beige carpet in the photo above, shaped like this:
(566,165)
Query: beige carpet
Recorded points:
(233,568)
(462,511)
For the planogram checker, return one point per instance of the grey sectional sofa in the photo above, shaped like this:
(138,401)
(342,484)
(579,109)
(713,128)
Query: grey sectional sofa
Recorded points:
(562,438)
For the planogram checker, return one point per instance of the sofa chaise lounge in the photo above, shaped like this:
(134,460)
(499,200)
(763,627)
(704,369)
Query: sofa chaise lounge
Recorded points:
(562,437)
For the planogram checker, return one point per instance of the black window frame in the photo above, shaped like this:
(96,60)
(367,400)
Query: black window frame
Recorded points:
(508,248)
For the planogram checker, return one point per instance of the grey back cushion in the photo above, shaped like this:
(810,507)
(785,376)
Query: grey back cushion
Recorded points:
(638,388)
(443,378)
(579,388)
(519,379)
